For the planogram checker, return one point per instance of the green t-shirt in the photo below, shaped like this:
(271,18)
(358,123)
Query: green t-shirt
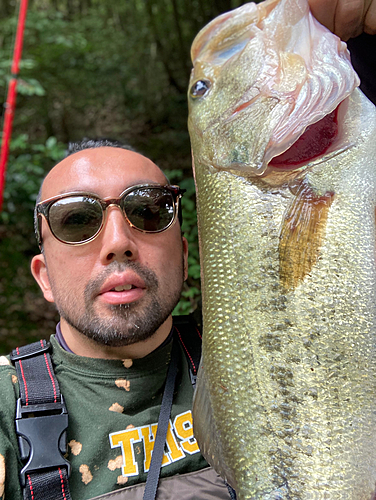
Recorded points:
(113,409)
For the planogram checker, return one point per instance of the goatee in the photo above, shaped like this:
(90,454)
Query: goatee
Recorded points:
(129,323)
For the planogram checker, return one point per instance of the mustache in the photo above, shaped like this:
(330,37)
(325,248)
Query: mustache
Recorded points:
(149,277)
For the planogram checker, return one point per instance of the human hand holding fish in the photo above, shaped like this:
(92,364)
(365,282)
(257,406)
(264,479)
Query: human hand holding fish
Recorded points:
(346,19)
(283,150)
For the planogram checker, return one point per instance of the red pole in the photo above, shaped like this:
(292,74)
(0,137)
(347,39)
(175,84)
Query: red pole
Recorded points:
(11,98)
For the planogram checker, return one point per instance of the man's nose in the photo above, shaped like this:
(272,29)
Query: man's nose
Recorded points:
(117,238)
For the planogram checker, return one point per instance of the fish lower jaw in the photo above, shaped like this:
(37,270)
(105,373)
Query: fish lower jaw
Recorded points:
(236,168)
(257,173)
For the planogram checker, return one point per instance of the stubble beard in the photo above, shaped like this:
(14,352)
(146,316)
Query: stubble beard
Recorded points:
(128,323)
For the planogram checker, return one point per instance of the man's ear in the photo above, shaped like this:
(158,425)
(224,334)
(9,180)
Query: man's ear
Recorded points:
(39,271)
(185,257)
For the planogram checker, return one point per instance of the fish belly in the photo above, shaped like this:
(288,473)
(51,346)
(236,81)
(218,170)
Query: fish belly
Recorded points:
(285,406)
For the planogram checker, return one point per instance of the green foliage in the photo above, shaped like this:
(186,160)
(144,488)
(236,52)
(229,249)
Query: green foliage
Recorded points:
(92,68)
(191,293)
(30,86)
(23,314)
(27,165)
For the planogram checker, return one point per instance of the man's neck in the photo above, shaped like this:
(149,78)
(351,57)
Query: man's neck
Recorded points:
(83,346)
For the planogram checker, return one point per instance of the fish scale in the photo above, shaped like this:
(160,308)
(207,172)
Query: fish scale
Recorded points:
(285,406)
(274,358)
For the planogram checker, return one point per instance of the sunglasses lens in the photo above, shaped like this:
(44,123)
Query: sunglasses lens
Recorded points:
(78,218)
(149,208)
(75,219)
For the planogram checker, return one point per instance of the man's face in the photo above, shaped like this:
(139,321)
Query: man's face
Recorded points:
(121,287)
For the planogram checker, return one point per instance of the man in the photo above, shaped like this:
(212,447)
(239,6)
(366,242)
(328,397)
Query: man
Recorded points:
(115,272)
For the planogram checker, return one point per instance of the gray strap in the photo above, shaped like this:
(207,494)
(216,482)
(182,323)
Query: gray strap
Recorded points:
(164,416)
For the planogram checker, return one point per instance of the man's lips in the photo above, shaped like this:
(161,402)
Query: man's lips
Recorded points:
(122,289)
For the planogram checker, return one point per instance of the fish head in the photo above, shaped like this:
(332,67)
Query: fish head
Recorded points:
(263,96)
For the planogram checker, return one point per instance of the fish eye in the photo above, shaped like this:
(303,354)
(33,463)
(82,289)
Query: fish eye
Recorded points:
(200,88)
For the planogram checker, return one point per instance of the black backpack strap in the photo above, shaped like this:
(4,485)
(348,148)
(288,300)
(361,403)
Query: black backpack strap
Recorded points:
(190,338)
(41,424)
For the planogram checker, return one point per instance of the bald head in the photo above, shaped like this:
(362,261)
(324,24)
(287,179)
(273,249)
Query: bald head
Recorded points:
(100,168)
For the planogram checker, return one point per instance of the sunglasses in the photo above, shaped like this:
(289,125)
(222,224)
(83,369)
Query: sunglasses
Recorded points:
(77,218)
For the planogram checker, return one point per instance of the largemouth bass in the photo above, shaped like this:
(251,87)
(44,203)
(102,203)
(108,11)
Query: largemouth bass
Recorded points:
(284,156)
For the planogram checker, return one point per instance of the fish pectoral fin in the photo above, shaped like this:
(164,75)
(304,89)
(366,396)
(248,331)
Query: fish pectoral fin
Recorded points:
(205,430)
(301,235)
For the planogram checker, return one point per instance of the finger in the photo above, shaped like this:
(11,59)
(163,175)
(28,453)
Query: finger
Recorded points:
(348,20)
(370,19)
(324,11)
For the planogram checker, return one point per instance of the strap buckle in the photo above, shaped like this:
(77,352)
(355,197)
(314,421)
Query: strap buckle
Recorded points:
(30,354)
(42,430)
(193,378)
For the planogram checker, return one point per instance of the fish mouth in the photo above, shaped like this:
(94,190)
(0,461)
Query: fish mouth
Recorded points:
(287,158)
(314,143)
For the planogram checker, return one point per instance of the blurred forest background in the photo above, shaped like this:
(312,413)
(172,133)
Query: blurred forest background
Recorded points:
(92,68)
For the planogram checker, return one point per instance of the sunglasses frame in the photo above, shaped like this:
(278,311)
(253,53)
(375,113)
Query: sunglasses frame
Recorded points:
(42,210)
